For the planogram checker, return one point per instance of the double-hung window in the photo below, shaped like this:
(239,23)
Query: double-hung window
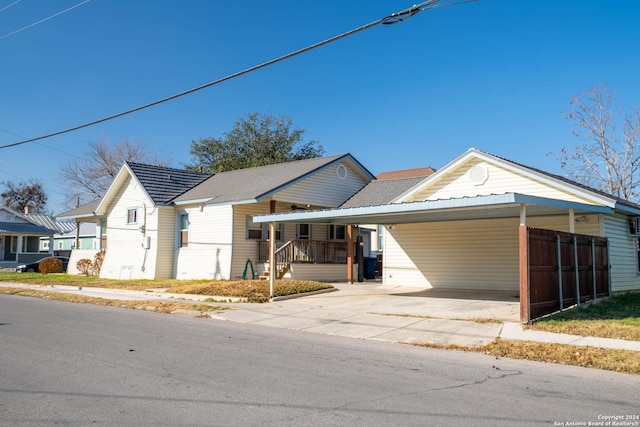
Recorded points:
(132,215)
(183,223)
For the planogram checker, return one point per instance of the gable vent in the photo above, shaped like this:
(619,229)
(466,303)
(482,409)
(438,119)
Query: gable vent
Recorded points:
(478,174)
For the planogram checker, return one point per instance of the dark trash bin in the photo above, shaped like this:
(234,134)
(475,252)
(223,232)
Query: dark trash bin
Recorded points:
(370,268)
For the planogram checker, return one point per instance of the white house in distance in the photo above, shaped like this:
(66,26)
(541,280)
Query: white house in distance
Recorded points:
(158,222)
(20,237)
(468,225)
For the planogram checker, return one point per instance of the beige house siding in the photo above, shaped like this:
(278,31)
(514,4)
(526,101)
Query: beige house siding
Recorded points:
(473,254)
(622,254)
(458,183)
(325,188)
(208,253)
(244,248)
(165,239)
(126,256)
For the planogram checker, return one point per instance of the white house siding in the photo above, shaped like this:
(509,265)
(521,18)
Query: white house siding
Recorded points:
(318,272)
(209,251)
(125,256)
(325,188)
(477,254)
(165,240)
(458,183)
(474,254)
(622,254)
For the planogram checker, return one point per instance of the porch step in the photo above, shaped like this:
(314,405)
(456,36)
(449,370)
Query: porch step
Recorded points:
(282,270)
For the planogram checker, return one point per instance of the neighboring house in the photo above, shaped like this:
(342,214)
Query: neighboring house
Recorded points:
(158,222)
(67,235)
(461,227)
(20,238)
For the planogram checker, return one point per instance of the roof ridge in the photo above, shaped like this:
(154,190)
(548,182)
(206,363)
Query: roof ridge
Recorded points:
(149,165)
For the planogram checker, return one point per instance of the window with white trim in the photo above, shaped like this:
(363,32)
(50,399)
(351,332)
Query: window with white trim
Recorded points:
(260,231)
(303,231)
(336,232)
(183,223)
(132,215)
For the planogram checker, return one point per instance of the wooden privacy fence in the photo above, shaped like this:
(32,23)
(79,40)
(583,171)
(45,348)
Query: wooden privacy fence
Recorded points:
(563,269)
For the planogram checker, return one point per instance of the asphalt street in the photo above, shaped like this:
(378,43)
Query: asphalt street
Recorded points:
(75,364)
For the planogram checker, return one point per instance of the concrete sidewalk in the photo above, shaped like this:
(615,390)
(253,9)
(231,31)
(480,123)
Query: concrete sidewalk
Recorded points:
(371,311)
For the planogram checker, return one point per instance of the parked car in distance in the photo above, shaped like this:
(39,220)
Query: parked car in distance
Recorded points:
(35,266)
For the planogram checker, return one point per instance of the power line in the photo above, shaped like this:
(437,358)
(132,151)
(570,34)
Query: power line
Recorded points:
(42,20)
(9,5)
(394,18)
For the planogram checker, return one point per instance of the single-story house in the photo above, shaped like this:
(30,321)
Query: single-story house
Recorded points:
(471,226)
(159,222)
(20,237)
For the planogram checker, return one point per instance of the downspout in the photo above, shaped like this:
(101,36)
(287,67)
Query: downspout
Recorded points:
(144,236)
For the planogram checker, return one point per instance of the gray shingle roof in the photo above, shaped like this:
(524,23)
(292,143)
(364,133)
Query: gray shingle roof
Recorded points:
(252,183)
(84,210)
(381,192)
(25,228)
(163,184)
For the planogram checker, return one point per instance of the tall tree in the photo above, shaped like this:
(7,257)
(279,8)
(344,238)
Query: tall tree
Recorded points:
(23,196)
(608,158)
(255,140)
(89,176)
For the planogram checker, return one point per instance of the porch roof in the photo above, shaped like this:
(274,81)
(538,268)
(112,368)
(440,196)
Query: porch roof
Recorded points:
(25,228)
(478,207)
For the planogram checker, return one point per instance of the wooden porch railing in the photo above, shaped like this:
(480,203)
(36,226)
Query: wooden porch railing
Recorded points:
(310,251)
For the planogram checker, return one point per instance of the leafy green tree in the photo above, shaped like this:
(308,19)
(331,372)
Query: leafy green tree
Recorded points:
(255,140)
(23,196)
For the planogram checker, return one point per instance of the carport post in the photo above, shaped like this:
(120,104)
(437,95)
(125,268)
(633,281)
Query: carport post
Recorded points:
(272,258)
(523,242)
(350,254)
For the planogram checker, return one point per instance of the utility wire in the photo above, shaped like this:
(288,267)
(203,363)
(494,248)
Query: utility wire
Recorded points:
(394,18)
(42,20)
(9,5)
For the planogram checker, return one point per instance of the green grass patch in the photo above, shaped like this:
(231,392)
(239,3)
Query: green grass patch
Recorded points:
(589,357)
(616,317)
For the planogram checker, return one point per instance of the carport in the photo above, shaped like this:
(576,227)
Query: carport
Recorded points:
(508,212)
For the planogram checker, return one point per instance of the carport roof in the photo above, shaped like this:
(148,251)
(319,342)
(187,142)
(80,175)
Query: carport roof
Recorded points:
(479,207)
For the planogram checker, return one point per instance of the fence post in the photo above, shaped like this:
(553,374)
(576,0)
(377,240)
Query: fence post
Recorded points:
(559,272)
(575,259)
(593,266)
(525,297)
(608,269)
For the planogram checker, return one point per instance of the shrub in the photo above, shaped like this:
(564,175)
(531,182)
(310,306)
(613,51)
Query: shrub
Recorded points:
(97,262)
(51,265)
(85,266)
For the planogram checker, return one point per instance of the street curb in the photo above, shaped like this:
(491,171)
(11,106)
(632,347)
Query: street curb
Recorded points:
(306,294)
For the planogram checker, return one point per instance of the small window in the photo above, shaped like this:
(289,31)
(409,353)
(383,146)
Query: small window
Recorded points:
(303,231)
(45,245)
(184,230)
(60,245)
(132,216)
(337,232)
(254,230)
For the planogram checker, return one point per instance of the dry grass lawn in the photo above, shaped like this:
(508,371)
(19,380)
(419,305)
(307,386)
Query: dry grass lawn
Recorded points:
(157,306)
(589,357)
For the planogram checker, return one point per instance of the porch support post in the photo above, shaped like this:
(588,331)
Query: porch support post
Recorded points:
(523,243)
(572,221)
(272,258)
(77,234)
(350,254)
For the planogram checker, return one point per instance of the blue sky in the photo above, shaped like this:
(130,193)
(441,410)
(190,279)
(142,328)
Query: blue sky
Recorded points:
(494,74)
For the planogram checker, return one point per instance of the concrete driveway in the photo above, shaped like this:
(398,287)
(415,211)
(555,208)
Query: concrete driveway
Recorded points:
(396,314)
